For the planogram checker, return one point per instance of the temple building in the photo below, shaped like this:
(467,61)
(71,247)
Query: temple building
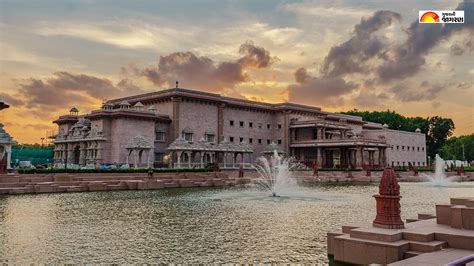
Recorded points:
(187,128)
(6,143)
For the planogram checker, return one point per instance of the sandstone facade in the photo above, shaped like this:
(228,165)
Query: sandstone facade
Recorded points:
(186,128)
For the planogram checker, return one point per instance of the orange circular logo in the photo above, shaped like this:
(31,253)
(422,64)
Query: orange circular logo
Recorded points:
(429,17)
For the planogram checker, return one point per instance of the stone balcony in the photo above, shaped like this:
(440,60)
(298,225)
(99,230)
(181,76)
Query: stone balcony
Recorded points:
(338,142)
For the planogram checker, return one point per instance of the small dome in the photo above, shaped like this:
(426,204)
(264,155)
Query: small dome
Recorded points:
(418,130)
(187,130)
(210,131)
(139,104)
(125,103)
(74,110)
(385,126)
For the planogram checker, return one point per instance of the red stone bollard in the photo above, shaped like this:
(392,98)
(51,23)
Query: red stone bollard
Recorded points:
(388,202)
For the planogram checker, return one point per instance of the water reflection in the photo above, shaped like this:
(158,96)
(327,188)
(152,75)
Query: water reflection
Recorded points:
(191,225)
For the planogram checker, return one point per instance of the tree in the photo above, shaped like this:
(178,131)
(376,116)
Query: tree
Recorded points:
(458,148)
(439,131)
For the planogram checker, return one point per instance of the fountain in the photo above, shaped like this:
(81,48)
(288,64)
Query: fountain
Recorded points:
(439,179)
(275,175)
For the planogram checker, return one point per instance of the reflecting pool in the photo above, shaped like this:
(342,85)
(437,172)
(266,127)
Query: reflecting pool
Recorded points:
(193,225)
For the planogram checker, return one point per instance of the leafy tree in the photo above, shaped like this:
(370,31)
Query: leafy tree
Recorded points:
(458,148)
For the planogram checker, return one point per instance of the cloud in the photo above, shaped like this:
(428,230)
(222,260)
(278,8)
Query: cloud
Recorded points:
(10,100)
(371,99)
(123,34)
(310,90)
(409,57)
(350,56)
(65,89)
(255,56)
(425,91)
(203,73)
(466,47)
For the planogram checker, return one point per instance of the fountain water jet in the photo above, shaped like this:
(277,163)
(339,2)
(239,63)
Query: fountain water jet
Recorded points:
(439,179)
(275,174)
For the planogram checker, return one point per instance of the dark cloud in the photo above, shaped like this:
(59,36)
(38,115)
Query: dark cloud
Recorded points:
(350,56)
(424,91)
(346,58)
(466,47)
(310,90)
(201,72)
(255,56)
(11,100)
(371,99)
(65,89)
(409,57)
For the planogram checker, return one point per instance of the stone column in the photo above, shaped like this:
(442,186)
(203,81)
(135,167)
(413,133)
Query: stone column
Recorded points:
(148,159)
(179,158)
(380,161)
(233,159)
(343,158)
(136,159)
(319,158)
(202,158)
(359,157)
(8,150)
(189,159)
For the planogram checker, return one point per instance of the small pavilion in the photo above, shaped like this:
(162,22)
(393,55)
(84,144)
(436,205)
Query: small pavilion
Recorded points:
(137,149)
(228,155)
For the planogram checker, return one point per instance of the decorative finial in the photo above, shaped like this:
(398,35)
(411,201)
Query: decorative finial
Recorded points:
(177,84)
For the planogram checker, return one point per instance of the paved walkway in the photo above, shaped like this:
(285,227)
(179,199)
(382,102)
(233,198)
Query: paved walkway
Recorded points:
(441,257)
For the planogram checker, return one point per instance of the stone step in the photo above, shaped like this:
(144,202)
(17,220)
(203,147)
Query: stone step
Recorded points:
(427,246)
(347,228)
(170,185)
(419,237)
(376,234)
(426,216)
(411,254)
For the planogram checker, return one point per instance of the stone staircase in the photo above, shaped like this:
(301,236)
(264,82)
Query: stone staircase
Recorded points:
(21,184)
(362,244)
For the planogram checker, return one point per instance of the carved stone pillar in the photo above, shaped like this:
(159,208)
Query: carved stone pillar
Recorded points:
(319,158)
(359,157)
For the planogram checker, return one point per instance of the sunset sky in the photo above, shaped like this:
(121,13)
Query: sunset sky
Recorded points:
(339,55)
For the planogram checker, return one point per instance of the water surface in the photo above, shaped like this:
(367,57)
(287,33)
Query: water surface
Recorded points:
(193,225)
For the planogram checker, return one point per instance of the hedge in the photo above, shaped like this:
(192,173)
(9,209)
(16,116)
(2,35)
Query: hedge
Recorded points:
(131,170)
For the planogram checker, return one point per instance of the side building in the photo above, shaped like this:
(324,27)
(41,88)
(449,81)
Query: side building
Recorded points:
(186,128)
